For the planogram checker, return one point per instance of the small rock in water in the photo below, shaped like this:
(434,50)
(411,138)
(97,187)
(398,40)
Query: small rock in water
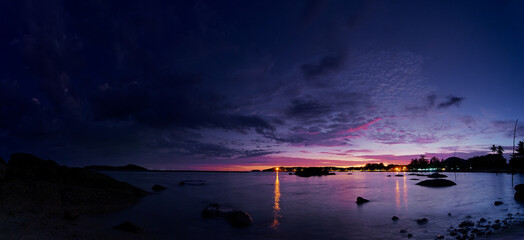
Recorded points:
(482,220)
(239,218)
(158,188)
(399,175)
(436,183)
(439,237)
(211,211)
(422,221)
(410,235)
(403,231)
(128,227)
(192,182)
(449,214)
(361,200)
(497,203)
(394,218)
(388,176)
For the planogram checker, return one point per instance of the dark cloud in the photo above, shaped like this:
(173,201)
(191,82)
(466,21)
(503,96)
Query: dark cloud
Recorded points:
(324,65)
(307,107)
(452,101)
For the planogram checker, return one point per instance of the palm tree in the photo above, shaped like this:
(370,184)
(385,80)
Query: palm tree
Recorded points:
(500,150)
(494,148)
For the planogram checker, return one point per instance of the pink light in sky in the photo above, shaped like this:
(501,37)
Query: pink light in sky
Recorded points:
(365,126)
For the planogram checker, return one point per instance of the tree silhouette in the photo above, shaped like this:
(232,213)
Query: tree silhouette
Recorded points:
(494,148)
(520,149)
(500,150)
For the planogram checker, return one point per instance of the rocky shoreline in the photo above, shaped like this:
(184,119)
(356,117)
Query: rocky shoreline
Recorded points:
(41,200)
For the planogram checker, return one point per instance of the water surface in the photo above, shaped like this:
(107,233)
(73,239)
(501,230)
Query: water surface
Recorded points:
(286,206)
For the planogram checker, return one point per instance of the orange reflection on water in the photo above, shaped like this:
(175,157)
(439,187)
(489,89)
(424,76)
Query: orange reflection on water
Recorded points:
(276,204)
(397,195)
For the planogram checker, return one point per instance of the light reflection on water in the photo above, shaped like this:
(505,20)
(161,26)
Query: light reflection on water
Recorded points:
(276,204)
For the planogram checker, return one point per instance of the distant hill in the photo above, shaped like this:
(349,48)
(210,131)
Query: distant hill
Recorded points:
(129,167)
(455,163)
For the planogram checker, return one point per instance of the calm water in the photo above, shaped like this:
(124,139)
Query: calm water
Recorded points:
(285,206)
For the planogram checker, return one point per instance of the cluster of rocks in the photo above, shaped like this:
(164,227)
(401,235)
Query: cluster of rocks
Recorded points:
(469,229)
(313,171)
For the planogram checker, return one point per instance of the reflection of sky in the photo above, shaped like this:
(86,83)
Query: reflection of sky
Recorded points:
(211,85)
(276,204)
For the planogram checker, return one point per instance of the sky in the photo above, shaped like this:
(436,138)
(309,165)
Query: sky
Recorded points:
(241,85)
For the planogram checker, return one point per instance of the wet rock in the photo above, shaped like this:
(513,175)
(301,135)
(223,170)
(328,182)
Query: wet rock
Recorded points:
(128,227)
(466,224)
(403,231)
(394,218)
(422,221)
(211,211)
(519,194)
(436,183)
(453,233)
(235,218)
(388,176)
(439,237)
(361,200)
(437,175)
(399,175)
(468,216)
(497,203)
(410,235)
(414,179)
(449,214)
(350,173)
(239,218)
(192,182)
(482,220)
(158,188)
(71,214)
(290,173)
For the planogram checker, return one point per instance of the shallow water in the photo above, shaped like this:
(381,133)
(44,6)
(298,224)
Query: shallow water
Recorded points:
(286,206)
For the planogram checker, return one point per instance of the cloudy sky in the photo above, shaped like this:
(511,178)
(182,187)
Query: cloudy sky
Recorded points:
(234,85)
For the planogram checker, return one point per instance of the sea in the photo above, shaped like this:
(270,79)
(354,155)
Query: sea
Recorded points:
(285,206)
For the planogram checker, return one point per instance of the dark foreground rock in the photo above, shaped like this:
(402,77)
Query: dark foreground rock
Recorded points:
(361,200)
(158,188)
(437,175)
(519,194)
(128,227)
(436,183)
(3,169)
(234,217)
(34,185)
(422,221)
(497,203)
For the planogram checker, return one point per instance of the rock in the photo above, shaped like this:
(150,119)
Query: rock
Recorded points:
(436,183)
(192,182)
(3,169)
(519,194)
(42,186)
(388,176)
(399,175)
(290,173)
(437,175)
(350,173)
(71,214)
(211,211)
(497,203)
(439,237)
(239,218)
(449,214)
(28,167)
(466,224)
(361,200)
(422,221)
(312,171)
(128,227)
(158,188)
(403,231)
(236,218)
(394,218)
(482,220)
(410,235)
(414,179)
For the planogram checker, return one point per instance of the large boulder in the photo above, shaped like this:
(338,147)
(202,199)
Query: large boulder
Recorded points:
(519,194)
(42,186)
(361,200)
(436,183)
(234,217)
